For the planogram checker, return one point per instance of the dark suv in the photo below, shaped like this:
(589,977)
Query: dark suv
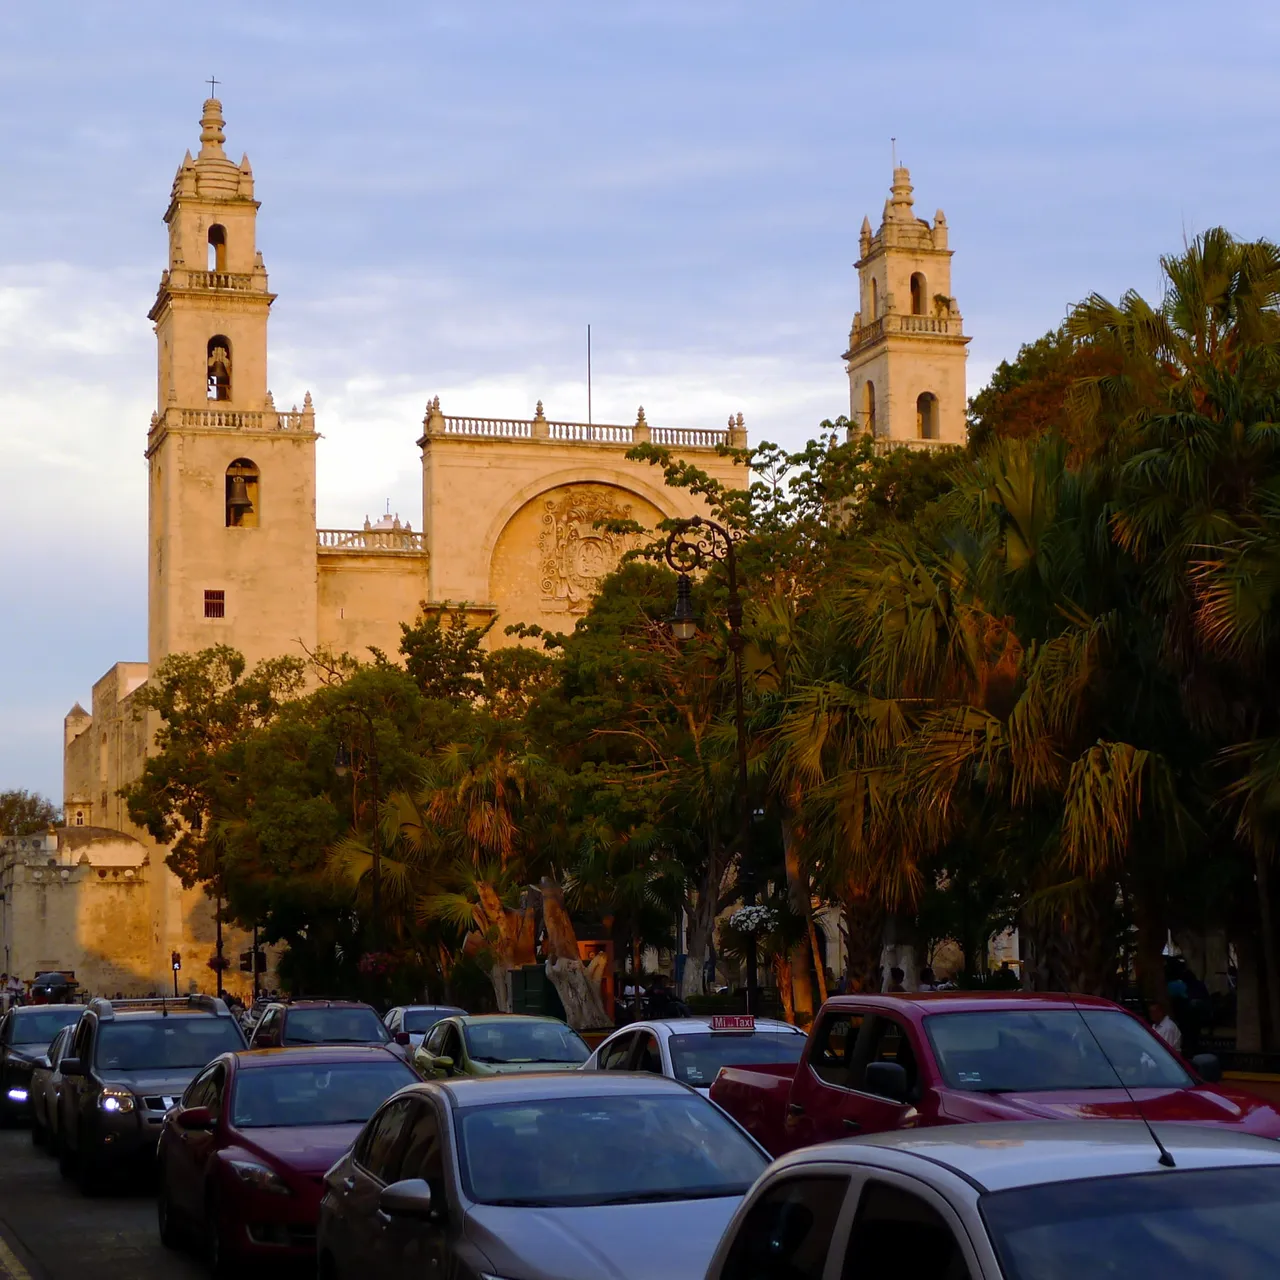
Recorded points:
(25,1035)
(129,1061)
(288,1024)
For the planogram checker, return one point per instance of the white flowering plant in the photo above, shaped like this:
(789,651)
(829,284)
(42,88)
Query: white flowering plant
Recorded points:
(753,920)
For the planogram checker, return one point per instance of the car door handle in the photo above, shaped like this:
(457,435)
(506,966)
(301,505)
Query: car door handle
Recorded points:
(851,1125)
(348,1184)
(794,1109)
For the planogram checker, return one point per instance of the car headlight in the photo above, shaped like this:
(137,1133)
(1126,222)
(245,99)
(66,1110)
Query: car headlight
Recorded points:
(17,1094)
(116,1101)
(259,1177)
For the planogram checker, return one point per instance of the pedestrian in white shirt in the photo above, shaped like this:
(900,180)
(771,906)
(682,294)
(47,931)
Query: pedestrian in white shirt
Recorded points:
(1165,1027)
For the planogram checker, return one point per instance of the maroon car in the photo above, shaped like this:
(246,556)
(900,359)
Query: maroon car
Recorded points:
(881,1062)
(242,1156)
(288,1023)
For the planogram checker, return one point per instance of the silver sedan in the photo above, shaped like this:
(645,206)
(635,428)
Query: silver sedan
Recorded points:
(1039,1200)
(563,1176)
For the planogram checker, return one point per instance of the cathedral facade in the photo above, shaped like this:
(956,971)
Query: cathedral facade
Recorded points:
(510,528)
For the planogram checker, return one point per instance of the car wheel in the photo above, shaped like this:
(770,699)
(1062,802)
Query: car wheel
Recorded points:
(218,1257)
(88,1170)
(171,1233)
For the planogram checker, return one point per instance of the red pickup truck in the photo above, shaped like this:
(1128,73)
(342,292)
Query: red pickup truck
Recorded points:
(879,1062)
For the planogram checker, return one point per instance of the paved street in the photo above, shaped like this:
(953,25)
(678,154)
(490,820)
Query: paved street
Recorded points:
(49,1231)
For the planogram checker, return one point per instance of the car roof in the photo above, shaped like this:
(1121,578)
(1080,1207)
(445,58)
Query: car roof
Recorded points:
(700,1023)
(324,1004)
(26,1010)
(530,1086)
(315,1053)
(929,1002)
(155,1015)
(488,1019)
(998,1157)
(428,1008)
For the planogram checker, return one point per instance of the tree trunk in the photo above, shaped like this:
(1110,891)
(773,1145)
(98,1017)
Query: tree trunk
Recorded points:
(817,961)
(583,1007)
(798,898)
(702,923)
(784,978)
(863,929)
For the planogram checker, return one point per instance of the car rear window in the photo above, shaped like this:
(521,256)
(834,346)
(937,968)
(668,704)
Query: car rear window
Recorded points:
(153,1044)
(1194,1224)
(516,1040)
(1035,1050)
(416,1020)
(697,1058)
(288,1096)
(334,1026)
(40,1028)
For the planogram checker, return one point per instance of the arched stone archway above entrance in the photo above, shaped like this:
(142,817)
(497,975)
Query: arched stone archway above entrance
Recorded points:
(554,552)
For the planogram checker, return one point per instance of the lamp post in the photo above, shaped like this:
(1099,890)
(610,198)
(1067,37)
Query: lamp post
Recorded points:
(342,766)
(691,545)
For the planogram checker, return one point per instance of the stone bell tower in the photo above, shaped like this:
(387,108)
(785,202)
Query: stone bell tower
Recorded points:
(907,353)
(232,546)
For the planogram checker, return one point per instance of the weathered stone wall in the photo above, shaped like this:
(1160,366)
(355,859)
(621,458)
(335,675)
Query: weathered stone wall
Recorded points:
(365,596)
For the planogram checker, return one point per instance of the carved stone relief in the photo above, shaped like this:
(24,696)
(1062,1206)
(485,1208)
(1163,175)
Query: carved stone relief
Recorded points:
(575,554)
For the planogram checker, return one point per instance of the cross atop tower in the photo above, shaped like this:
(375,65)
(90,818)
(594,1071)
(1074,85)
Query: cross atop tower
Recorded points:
(213,87)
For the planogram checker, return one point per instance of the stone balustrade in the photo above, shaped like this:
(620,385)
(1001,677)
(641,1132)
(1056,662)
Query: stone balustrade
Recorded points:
(887,444)
(541,428)
(235,280)
(371,540)
(928,326)
(238,419)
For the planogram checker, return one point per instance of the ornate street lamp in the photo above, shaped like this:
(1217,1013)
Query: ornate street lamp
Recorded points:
(692,545)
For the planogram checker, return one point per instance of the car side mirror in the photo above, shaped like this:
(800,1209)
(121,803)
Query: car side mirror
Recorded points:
(71,1067)
(410,1198)
(196,1118)
(402,1038)
(886,1080)
(1208,1068)
(443,1064)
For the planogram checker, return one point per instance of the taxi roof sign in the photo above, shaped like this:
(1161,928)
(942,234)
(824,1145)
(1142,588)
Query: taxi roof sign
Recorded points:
(733,1022)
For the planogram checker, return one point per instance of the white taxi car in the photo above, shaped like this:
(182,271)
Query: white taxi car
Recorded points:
(692,1050)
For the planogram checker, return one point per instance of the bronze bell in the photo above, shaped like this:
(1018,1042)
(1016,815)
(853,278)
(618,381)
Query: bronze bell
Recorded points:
(238,499)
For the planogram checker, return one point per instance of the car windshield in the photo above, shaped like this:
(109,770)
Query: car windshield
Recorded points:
(697,1059)
(1199,1224)
(334,1026)
(416,1020)
(1033,1050)
(603,1150)
(153,1044)
(282,1095)
(40,1028)
(514,1040)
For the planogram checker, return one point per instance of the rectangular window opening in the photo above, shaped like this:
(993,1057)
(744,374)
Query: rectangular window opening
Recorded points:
(215,604)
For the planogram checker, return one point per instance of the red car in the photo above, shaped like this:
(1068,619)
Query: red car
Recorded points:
(881,1062)
(287,1023)
(243,1155)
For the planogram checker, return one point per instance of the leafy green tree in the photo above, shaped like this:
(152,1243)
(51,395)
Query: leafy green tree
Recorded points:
(24,813)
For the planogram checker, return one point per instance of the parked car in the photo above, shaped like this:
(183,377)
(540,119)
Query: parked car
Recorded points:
(241,1156)
(46,1087)
(25,1034)
(130,1060)
(880,1062)
(693,1050)
(498,1044)
(292,1023)
(1036,1200)
(415,1020)
(573,1175)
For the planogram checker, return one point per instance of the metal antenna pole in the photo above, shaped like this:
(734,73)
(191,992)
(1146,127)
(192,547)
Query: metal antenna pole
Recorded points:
(588,375)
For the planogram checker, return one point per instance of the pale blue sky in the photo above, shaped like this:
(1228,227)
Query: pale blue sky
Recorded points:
(451,191)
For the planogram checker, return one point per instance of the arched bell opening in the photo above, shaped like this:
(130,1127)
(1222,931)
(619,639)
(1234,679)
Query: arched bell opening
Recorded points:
(217,248)
(219,367)
(927,416)
(869,407)
(242,494)
(919,294)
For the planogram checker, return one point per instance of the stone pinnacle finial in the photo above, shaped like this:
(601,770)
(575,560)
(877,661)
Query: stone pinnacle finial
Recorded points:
(742,422)
(902,198)
(538,414)
(640,419)
(306,403)
(211,135)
